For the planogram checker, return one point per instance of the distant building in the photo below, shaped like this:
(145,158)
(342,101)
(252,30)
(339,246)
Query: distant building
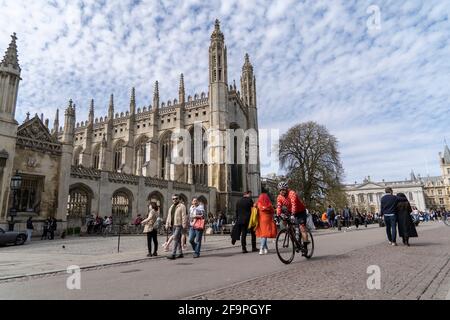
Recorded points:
(425,193)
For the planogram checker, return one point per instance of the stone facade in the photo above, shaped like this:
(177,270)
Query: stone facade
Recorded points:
(426,193)
(119,162)
(366,196)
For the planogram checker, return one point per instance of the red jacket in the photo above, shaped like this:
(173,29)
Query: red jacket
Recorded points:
(292,202)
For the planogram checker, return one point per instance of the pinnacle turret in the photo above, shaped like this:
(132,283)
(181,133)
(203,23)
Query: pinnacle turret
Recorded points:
(10,59)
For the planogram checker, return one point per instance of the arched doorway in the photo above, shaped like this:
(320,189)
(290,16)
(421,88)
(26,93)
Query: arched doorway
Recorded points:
(157,198)
(78,204)
(122,205)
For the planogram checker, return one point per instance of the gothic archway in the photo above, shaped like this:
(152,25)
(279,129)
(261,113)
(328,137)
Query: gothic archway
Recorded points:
(79,204)
(122,205)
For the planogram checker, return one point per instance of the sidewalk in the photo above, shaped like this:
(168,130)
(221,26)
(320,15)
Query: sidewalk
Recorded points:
(52,256)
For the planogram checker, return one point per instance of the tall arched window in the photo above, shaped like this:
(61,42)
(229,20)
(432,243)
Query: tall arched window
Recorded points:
(118,156)
(121,206)
(166,151)
(141,154)
(76,156)
(198,150)
(96,157)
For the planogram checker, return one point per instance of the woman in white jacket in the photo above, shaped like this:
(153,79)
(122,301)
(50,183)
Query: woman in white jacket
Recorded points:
(151,232)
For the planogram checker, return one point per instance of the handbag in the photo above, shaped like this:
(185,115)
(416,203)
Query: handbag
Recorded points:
(199,224)
(253,223)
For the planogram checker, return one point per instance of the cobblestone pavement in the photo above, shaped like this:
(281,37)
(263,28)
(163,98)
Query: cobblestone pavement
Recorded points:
(50,256)
(421,271)
(338,270)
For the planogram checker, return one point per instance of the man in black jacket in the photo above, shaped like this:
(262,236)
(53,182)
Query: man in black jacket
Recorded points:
(389,212)
(243,211)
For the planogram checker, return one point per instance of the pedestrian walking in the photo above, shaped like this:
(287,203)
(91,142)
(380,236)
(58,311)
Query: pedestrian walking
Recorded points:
(197,226)
(406,227)
(30,229)
(389,212)
(176,219)
(46,228)
(150,230)
(347,215)
(266,225)
(331,215)
(243,211)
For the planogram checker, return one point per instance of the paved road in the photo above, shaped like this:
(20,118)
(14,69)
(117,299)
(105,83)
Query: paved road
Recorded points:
(338,271)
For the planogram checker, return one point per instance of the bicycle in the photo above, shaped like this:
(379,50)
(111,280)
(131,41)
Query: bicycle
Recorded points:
(446,218)
(287,243)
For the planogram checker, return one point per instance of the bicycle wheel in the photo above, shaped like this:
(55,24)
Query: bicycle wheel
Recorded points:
(309,249)
(446,219)
(285,246)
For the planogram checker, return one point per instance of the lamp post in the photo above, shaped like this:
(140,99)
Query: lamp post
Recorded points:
(16,183)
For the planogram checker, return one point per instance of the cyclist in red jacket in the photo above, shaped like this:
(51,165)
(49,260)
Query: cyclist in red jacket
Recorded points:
(289,199)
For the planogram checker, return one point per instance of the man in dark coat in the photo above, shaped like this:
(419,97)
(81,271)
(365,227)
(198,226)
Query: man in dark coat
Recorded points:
(406,228)
(243,211)
(389,212)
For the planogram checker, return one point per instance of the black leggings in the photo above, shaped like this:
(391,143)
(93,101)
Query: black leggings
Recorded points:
(152,235)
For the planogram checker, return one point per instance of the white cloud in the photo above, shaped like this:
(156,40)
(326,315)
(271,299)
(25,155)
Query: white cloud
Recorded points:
(314,60)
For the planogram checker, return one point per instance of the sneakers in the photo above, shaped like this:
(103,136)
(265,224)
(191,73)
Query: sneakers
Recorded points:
(180,256)
(393,244)
(172,257)
(149,255)
(266,251)
(196,255)
(261,251)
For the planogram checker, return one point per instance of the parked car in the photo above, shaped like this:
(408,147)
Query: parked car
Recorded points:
(12,237)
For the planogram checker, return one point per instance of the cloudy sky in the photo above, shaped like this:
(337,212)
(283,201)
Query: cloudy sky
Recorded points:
(383,89)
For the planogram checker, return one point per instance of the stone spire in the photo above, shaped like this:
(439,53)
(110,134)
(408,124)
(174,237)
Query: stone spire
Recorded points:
(56,122)
(181,92)
(133,101)
(91,112)
(111,108)
(217,33)
(248,86)
(11,58)
(247,65)
(156,96)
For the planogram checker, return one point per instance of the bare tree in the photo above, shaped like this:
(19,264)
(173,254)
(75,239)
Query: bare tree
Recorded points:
(310,155)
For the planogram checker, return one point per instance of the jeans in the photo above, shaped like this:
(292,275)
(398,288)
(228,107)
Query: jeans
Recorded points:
(152,236)
(177,239)
(391,227)
(195,239)
(264,243)
(29,232)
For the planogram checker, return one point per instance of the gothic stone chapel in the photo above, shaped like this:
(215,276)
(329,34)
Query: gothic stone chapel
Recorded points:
(117,164)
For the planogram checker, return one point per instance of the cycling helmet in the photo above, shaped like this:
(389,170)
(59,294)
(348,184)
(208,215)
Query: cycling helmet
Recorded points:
(283,185)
